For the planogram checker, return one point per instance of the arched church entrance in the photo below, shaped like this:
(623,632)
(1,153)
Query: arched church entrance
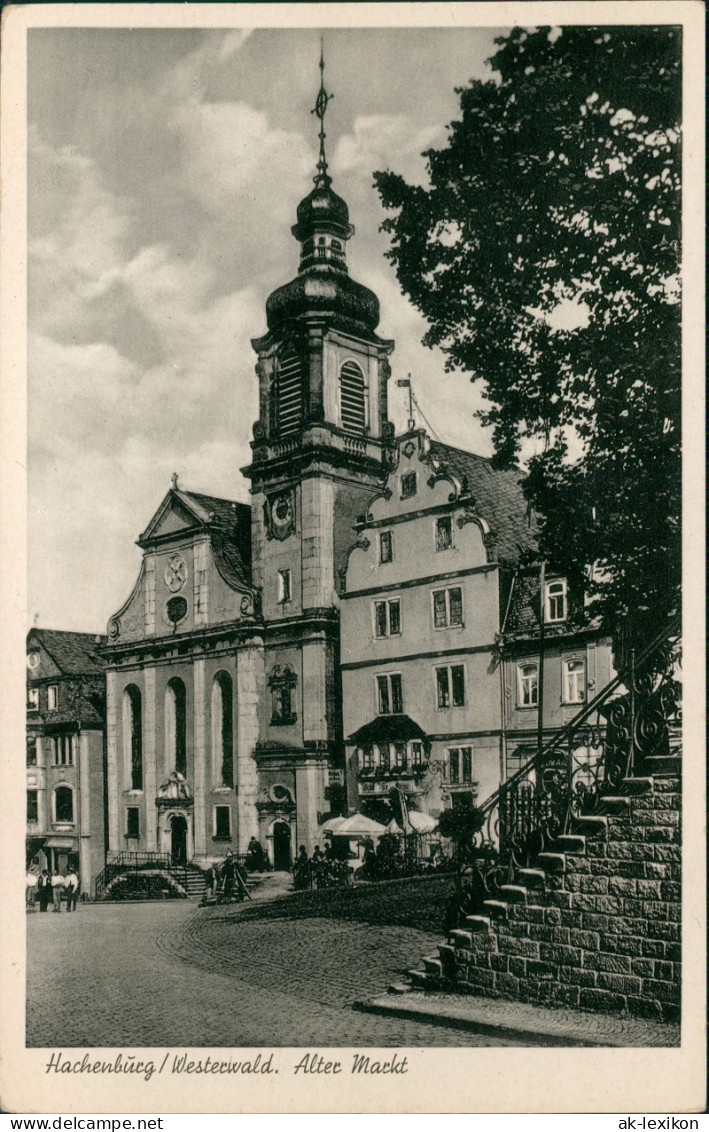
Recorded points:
(281,846)
(178,846)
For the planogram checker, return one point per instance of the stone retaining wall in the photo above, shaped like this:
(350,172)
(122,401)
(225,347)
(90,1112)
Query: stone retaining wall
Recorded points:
(595,926)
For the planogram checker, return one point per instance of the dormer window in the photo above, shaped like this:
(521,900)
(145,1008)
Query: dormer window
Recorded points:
(555,600)
(52,697)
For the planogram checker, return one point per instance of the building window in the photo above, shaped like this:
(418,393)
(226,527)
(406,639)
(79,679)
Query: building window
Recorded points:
(353,413)
(52,697)
(63,749)
(31,752)
(133,823)
(133,735)
(574,682)
(367,758)
(447,607)
(416,753)
(400,755)
(63,804)
(33,699)
(289,396)
(284,586)
(282,683)
(223,729)
(527,685)
(450,686)
(555,600)
(387,618)
(33,806)
(385,755)
(408,485)
(385,547)
(390,699)
(444,533)
(460,762)
(222,823)
(176,725)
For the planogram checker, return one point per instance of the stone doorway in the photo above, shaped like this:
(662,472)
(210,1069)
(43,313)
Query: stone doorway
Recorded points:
(178,840)
(281,846)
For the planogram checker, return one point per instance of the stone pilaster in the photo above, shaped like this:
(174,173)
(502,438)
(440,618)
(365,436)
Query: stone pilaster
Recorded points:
(114,785)
(249,690)
(149,596)
(308,787)
(84,812)
(314,701)
(150,760)
(199,759)
(317,499)
(201,583)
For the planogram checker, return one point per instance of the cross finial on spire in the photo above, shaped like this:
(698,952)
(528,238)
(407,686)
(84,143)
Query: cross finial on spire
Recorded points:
(322,179)
(173,481)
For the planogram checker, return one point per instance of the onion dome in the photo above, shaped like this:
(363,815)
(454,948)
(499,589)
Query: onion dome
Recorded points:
(322,210)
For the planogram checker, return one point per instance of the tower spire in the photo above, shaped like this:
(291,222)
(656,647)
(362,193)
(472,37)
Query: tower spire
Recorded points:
(322,178)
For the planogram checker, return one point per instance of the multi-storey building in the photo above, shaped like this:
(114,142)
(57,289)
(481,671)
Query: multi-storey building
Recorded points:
(65,753)
(556,666)
(424,594)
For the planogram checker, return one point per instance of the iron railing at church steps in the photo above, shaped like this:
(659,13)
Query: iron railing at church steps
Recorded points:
(636,718)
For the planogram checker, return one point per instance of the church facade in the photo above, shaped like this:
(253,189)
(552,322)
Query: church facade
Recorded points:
(224,717)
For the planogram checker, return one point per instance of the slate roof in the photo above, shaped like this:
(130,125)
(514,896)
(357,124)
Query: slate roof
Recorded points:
(75,654)
(523,617)
(231,539)
(498,499)
(80,701)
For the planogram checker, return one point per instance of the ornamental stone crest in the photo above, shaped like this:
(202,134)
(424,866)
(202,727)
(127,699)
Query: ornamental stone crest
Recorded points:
(175,573)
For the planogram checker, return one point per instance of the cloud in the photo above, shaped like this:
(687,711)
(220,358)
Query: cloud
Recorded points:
(384,141)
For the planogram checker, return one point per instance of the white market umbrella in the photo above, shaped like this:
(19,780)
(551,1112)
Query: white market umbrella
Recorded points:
(421,823)
(331,825)
(394,828)
(358,825)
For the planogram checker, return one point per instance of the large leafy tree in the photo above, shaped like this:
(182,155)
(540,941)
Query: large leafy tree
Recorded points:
(544,254)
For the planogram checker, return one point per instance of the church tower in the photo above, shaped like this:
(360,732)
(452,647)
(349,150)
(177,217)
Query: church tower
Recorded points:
(322,447)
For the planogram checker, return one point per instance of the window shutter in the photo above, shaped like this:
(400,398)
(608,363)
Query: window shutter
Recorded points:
(290,394)
(352,410)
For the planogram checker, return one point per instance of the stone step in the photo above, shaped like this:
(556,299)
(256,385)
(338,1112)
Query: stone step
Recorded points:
(593,826)
(552,862)
(636,785)
(615,805)
(571,843)
(477,923)
(419,979)
(432,965)
(531,878)
(496,909)
(662,765)
(513,893)
(461,938)
(399,988)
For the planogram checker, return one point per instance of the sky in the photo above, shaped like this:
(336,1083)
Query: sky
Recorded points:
(164,171)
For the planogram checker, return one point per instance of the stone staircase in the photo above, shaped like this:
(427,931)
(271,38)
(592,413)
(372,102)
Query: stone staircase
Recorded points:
(595,924)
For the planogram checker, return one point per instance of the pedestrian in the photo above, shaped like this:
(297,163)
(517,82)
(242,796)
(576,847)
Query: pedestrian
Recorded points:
(228,872)
(30,890)
(318,855)
(72,891)
(210,884)
(58,883)
(302,856)
(44,886)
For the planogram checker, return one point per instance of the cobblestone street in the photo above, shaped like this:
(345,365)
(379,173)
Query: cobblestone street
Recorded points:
(175,974)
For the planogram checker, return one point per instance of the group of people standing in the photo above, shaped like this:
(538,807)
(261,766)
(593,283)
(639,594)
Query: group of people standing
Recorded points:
(47,888)
(225,882)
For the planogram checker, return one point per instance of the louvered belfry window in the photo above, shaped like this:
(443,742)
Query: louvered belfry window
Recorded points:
(290,393)
(352,410)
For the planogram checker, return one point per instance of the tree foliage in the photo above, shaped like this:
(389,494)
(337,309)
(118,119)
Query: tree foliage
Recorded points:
(544,254)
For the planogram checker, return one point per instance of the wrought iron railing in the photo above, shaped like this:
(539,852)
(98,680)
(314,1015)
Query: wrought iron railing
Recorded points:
(636,717)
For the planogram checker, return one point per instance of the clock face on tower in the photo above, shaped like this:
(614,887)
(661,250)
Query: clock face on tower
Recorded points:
(280,515)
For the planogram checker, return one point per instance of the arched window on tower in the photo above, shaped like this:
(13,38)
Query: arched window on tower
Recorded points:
(133,736)
(223,729)
(352,406)
(289,393)
(176,726)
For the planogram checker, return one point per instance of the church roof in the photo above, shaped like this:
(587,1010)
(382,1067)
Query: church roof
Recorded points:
(75,654)
(231,540)
(497,496)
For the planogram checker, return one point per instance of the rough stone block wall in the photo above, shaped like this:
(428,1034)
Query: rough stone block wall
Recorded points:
(595,927)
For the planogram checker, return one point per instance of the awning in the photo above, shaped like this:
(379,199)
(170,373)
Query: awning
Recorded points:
(388,729)
(421,823)
(331,825)
(60,843)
